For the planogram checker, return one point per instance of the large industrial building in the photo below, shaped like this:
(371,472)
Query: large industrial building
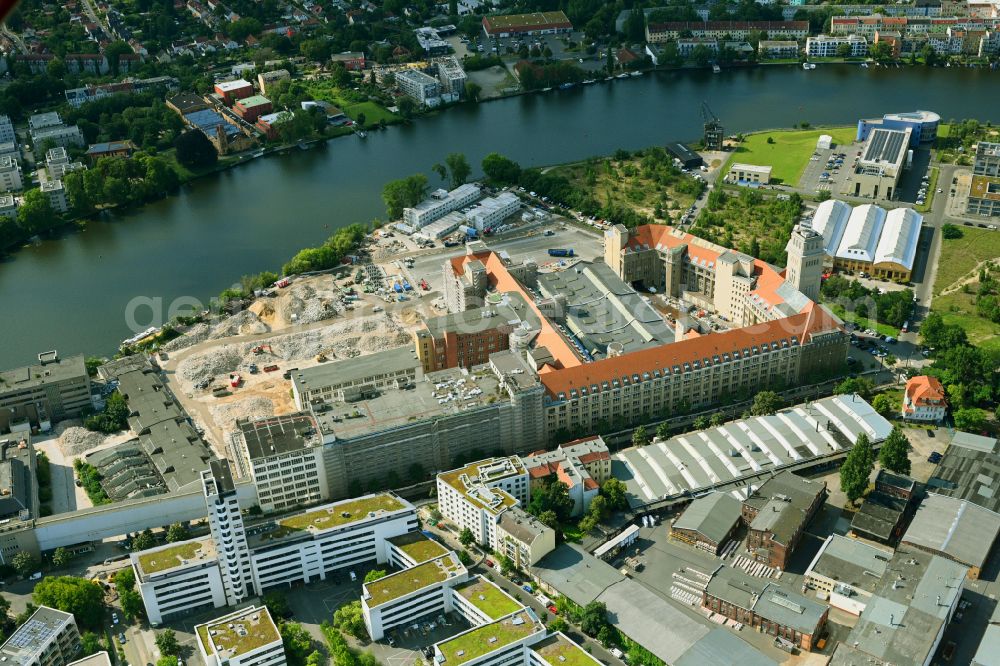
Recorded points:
(969,470)
(867,238)
(877,172)
(38,395)
(956,529)
(846,572)
(537,23)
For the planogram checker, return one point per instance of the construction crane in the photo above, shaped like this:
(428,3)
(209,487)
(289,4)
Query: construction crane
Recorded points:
(714,133)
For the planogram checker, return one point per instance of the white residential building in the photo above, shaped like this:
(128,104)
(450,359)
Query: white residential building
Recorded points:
(57,195)
(225,522)
(492,211)
(48,638)
(422,88)
(8,206)
(43,120)
(7,130)
(57,164)
(60,135)
(248,637)
(826,46)
(10,174)
(452,76)
(440,203)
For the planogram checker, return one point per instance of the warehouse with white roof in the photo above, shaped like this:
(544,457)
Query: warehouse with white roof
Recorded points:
(868,238)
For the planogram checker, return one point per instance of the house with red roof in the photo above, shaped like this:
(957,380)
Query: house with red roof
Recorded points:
(583,465)
(924,399)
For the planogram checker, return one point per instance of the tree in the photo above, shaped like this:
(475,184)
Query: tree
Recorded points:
(297,642)
(615,493)
(36,214)
(663,431)
(79,596)
(593,618)
(459,168)
(843,50)
(194,150)
(466,537)
(765,402)
(403,193)
(277,605)
(970,419)
(639,437)
(856,469)
(558,624)
(863,386)
(350,620)
(90,643)
(701,422)
(361,119)
(881,51)
(500,169)
(166,642)
(144,540)
(552,495)
(24,563)
(473,90)
(416,473)
(893,455)
(61,557)
(316,50)
(506,565)
(884,404)
(131,603)
(441,171)
(375,574)
(177,532)
(406,107)
(549,518)
(951,232)
(167,660)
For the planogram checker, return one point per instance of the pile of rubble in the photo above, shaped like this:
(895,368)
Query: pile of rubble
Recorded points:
(75,441)
(253,408)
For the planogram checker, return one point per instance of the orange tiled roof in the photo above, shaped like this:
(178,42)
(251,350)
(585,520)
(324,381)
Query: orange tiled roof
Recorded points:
(800,327)
(590,484)
(924,390)
(652,235)
(596,455)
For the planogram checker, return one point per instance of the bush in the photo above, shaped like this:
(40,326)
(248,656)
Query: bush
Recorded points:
(951,231)
(90,479)
(113,418)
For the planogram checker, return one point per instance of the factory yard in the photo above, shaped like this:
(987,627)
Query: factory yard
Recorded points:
(309,323)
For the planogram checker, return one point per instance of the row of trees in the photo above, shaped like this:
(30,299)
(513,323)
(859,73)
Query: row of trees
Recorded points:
(860,462)
(329,254)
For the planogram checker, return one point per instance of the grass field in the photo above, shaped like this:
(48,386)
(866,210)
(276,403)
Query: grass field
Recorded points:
(324,90)
(959,262)
(790,152)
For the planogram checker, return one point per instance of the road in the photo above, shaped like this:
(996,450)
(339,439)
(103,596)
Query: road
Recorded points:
(16,38)
(88,7)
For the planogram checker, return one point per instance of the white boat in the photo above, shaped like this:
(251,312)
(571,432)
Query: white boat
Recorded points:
(812,65)
(623,75)
(636,74)
(716,69)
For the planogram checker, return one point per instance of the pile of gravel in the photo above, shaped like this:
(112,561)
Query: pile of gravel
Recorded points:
(197,333)
(75,441)
(254,407)
(244,322)
(214,362)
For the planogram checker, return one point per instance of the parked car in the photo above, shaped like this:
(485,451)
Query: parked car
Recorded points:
(934,457)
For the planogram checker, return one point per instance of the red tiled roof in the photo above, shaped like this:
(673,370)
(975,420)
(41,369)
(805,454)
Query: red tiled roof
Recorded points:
(596,455)
(590,484)
(925,390)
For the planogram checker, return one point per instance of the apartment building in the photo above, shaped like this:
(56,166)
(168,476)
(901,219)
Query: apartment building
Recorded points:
(57,164)
(284,457)
(777,514)
(421,88)
(736,30)
(7,134)
(475,495)
(401,598)
(248,637)
(452,76)
(8,206)
(41,394)
(583,465)
(793,619)
(523,538)
(59,135)
(778,48)
(924,399)
(987,159)
(10,174)
(439,204)
(984,196)
(265,79)
(828,46)
(56,193)
(48,638)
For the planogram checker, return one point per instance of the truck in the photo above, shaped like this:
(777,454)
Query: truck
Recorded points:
(424,285)
(270,368)
(561,252)
(234,380)
(398,288)
(407,286)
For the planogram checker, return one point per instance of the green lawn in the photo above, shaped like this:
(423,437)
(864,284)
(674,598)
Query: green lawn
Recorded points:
(324,90)
(373,112)
(925,207)
(959,260)
(790,152)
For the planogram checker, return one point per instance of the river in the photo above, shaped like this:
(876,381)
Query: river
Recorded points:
(74,293)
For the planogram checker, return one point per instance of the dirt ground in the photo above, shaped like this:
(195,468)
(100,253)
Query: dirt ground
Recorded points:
(493,81)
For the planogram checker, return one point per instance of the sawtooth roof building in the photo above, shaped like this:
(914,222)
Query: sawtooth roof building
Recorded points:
(868,238)
(954,528)
(970,470)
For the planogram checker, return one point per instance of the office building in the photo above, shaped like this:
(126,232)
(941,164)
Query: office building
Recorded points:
(39,395)
(506,641)
(985,163)
(955,529)
(988,653)
(883,158)
(10,174)
(421,88)
(537,23)
(48,638)
(431,42)
(708,522)
(225,523)
(284,457)
(583,465)
(777,514)
(400,598)
(867,238)
(906,616)
(924,399)
(231,91)
(248,637)
(109,149)
(984,196)
(767,606)
(923,126)
(749,174)
(828,46)
(8,206)
(440,203)
(178,579)
(846,572)
(467,338)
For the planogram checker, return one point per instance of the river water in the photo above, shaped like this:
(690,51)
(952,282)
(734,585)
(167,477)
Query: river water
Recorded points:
(75,293)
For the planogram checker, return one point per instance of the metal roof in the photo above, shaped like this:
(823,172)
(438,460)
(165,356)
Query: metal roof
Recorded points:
(900,233)
(955,528)
(712,516)
(851,562)
(576,573)
(969,470)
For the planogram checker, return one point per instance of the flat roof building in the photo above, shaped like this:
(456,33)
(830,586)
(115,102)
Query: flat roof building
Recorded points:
(248,637)
(846,572)
(954,528)
(230,91)
(40,394)
(877,172)
(537,23)
(749,174)
(923,126)
(969,470)
(984,196)
(48,638)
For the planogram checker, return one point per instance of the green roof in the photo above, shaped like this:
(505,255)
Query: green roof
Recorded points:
(161,559)
(560,651)
(418,546)
(336,515)
(238,633)
(488,598)
(488,638)
(399,584)
(253,100)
